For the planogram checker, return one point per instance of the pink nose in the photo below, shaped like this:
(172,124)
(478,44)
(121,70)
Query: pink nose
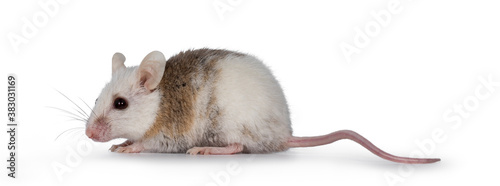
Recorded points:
(89,133)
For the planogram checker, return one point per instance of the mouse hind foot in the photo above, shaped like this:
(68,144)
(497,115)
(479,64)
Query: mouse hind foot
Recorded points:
(228,150)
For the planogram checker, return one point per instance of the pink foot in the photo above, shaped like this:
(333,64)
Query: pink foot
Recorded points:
(131,148)
(230,149)
(124,144)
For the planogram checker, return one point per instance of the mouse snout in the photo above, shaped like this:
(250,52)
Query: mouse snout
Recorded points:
(92,133)
(98,131)
(89,133)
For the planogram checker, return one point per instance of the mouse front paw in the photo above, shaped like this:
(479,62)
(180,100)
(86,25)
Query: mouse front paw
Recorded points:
(124,144)
(132,148)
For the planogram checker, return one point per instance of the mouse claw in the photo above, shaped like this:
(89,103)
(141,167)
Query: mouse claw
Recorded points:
(114,147)
(194,151)
(131,148)
(128,149)
(124,144)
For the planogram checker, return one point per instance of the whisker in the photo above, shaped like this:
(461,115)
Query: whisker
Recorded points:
(81,136)
(71,133)
(76,119)
(72,118)
(73,103)
(67,131)
(68,112)
(116,119)
(92,110)
(76,132)
(83,115)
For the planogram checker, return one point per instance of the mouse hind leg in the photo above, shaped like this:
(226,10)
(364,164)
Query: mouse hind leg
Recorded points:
(227,150)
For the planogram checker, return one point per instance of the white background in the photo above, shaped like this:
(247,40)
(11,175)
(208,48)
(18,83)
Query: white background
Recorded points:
(427,59)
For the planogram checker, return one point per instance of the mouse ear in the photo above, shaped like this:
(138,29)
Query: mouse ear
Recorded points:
(151,70)
(118,60)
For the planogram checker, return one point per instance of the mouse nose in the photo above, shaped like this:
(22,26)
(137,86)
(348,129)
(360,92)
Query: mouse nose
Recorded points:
(98,133)
(89,133)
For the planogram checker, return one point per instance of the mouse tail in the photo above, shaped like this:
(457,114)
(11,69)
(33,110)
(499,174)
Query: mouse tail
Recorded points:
(348,134)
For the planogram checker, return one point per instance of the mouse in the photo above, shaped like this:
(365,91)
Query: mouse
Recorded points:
(203,102)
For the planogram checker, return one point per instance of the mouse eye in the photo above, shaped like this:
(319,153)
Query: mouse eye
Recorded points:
(120,103)
(96,100)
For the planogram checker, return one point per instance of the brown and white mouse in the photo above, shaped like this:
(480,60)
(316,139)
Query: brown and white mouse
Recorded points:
(202,101)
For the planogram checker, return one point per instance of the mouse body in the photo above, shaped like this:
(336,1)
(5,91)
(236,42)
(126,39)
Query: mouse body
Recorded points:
(202,101)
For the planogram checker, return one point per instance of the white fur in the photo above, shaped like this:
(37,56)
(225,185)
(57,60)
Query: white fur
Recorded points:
(151,69)
(135,85)
(248,96)
(251,104)
(253,99)
(118,61)
(137,118)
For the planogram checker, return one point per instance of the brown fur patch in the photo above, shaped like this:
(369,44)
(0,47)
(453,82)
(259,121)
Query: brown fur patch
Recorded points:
(184,74)
(211,135)
(249,134)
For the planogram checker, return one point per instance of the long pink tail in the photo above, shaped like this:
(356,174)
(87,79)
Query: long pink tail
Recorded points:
(348,134)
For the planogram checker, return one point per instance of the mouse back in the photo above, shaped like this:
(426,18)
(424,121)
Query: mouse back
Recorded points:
(218,97)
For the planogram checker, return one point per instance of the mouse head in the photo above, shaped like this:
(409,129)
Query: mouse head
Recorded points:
(127,106)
